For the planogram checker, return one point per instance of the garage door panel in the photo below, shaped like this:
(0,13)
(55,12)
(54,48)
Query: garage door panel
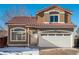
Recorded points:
(58,40)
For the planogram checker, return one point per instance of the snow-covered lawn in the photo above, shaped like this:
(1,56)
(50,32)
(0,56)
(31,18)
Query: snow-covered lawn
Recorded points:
(19,51)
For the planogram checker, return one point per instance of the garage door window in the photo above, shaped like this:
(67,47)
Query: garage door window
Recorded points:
(66,34)
(59,34)
(43,34)
(51,34)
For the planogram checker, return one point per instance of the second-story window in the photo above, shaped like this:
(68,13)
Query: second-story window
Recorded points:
(54,18)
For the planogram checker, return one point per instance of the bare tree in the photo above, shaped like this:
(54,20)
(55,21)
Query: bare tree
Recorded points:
(10,13)
(15,11)
(21,11)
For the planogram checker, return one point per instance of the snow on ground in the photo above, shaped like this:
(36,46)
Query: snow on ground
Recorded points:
(19,51)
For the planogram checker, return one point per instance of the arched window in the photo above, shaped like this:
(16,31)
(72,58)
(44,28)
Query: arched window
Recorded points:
(18,34)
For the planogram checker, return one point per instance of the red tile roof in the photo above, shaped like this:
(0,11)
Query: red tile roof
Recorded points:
(52,7)
(32,22)
(22,20)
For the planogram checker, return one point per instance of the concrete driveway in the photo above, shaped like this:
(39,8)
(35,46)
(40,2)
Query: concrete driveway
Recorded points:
(59,51)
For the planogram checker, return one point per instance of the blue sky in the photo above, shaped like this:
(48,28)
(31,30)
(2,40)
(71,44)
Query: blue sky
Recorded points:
(33,8)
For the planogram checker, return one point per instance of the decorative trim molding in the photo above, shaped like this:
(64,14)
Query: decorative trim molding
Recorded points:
(55,10)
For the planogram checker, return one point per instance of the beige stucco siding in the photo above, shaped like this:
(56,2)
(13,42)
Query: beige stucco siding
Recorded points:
(34,37)
(62,17)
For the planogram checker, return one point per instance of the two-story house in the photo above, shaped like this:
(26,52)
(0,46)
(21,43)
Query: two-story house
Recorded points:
(51,27)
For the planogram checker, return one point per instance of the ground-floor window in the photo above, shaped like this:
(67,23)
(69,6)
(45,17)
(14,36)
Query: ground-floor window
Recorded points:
(18,34)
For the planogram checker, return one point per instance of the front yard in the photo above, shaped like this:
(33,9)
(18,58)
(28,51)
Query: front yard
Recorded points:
(19,51)
(38,51)
(59,51)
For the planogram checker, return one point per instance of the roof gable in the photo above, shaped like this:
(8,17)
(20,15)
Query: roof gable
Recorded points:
(55,8)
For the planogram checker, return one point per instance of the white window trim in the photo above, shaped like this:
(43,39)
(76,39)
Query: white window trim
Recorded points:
(16,31)
(55,15)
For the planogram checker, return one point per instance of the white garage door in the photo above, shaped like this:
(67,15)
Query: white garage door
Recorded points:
(55,40)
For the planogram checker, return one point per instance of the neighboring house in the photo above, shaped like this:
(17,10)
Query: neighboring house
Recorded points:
(3,38)
(77,33)
(3,33)
(52,27)
(76,41)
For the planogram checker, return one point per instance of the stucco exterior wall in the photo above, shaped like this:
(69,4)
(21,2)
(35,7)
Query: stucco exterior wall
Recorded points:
(68,18)
(33,37)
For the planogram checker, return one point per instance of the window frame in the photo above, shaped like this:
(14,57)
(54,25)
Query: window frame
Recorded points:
(12,30)
(54,19)
(55,15)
